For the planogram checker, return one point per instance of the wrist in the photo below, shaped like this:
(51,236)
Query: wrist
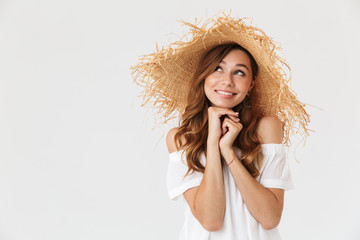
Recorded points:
(212,147)
(228,155)
(212,142)
(233,159)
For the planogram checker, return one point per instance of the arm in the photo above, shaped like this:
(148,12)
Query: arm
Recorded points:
(265,204)
(207,201)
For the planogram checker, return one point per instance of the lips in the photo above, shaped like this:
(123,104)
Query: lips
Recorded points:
(226,93)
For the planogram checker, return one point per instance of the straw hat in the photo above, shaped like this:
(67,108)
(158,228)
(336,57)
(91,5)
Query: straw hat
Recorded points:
(166,73)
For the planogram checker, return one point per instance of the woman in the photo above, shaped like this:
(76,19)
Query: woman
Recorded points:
(227,158)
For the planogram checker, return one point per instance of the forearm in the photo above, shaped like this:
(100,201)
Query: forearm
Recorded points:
(210,197)
(260,201)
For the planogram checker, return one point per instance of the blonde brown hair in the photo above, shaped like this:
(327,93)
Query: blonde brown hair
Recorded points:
(193,129)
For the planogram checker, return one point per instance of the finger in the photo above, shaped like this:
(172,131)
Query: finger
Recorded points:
(224,127)
(227,125)
(223,111)
(231,113)
(234,116)
(235,119)
(231,125)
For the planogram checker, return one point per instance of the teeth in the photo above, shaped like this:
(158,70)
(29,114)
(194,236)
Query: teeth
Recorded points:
(225,93)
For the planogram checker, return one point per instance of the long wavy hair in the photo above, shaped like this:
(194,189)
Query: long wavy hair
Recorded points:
(193,130)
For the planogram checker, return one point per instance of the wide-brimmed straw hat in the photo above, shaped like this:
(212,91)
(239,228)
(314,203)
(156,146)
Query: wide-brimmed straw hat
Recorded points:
(166,74)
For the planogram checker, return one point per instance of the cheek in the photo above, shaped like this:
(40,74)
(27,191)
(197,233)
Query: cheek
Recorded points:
(208,83)
(244,85)
(207,89)
(209,80)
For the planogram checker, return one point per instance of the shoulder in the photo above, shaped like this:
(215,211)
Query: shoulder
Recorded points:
(270,130)
(170,140)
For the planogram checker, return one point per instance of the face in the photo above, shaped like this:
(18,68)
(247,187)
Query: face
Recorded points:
(228,85)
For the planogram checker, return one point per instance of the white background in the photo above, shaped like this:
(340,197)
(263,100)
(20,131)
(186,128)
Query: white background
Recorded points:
(79,158)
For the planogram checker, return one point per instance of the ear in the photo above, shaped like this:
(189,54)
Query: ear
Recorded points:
(252,84)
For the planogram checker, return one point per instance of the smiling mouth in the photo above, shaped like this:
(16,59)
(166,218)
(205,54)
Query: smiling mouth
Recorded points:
(225,93)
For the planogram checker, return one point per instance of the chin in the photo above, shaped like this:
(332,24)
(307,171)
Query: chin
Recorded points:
(222,105)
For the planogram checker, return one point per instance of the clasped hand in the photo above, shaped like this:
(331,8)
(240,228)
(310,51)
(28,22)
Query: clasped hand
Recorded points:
(224,132)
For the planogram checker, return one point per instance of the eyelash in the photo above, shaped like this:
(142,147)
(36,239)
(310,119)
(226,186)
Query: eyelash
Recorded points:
(242,73)
(216,69)
(237,71)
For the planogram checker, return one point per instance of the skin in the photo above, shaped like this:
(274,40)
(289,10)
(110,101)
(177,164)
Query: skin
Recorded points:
(207,201)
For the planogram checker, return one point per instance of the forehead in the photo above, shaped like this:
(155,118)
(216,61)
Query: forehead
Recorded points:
(236,56)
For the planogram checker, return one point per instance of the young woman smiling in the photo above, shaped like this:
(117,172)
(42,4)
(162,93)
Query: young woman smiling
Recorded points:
(226,157)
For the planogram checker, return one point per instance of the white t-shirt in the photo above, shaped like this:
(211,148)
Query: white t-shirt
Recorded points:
(238,224)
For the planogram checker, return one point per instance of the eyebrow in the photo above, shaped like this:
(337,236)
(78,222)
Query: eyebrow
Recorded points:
(238,65)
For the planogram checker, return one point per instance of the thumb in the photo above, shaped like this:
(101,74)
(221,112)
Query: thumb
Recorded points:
(225,126)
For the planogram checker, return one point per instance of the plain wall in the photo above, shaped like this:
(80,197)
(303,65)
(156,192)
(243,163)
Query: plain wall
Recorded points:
(79,158)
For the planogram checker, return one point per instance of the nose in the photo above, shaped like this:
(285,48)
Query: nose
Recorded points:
(228,80)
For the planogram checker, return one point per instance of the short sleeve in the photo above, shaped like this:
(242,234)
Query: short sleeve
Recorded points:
(177,168)
(275,171)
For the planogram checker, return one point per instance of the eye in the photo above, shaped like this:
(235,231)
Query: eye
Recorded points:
(239,73)
(218,69)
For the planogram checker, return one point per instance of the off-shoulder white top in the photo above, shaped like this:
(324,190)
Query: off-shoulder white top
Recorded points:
(239,224)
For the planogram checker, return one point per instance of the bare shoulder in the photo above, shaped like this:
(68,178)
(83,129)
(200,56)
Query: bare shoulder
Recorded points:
(270,130)
(170,140)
